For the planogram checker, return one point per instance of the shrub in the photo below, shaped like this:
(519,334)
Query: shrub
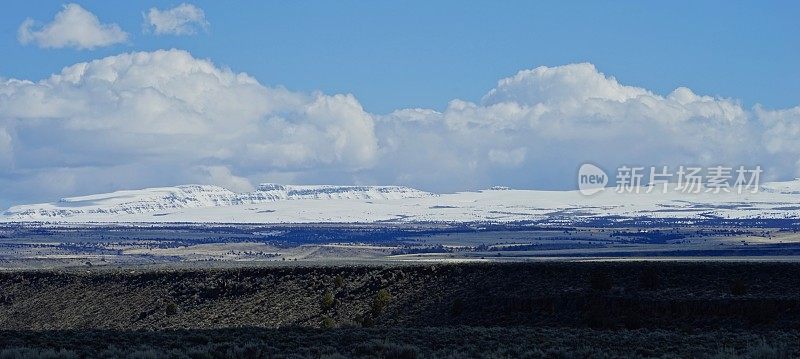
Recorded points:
(327,300)
(382,299)
(171,308)
(365,320)
(327,322)
(338,281)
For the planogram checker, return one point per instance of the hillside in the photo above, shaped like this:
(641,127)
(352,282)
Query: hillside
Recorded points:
(543,310)
(601,295)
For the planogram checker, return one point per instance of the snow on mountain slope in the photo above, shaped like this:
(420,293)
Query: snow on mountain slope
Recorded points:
(167,199)
(272,203)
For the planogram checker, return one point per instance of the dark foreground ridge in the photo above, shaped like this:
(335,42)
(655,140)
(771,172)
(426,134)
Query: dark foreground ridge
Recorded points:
(514,309)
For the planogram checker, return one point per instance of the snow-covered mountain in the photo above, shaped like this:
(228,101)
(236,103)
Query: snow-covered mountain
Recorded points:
(273,203)
(169,199)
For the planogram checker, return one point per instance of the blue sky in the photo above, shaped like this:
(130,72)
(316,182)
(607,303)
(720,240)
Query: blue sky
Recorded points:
(424,53)
(441,96)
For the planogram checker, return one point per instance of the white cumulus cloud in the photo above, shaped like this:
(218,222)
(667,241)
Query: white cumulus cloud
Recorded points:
(184,19)
(535,128)
(73,27)
(146,111)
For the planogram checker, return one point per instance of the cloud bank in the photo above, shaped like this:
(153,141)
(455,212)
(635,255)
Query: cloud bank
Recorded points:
(536,127)
(184,19)
(165,117)
(143,118)
(73,27)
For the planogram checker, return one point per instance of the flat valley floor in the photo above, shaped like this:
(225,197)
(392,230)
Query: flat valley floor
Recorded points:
(33,246)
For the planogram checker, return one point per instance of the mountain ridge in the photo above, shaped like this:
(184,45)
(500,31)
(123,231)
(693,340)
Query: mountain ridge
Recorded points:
(278,203)
(201,196)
